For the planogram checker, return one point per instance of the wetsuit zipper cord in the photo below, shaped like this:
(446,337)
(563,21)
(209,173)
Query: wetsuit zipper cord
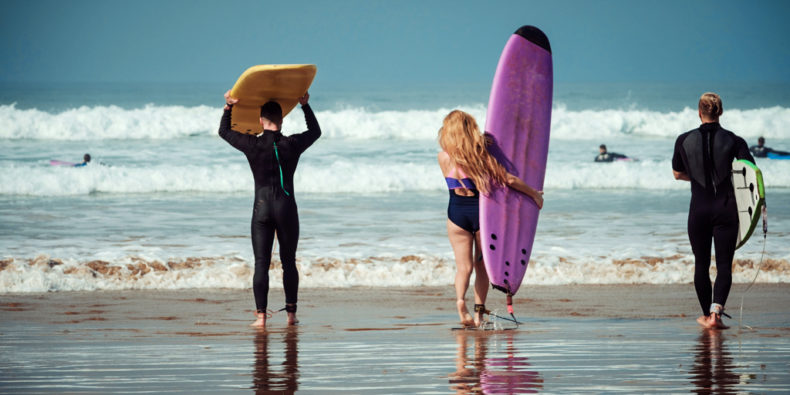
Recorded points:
(277,155)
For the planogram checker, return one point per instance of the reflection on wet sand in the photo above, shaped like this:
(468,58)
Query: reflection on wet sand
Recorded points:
(268,378)
(507,373)
(713,370)
(466,378)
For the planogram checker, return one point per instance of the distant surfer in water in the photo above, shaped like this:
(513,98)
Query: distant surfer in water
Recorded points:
(761,151)
(704,157)
(469,170)
(606,156)
(273,158)
(85,159)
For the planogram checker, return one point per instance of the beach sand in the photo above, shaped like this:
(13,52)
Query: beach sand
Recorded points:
(613,338)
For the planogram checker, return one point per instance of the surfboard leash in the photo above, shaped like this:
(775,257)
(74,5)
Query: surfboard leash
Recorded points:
(269,312)
(509,310)
(513,320)
(510,306)
(759,266)
(506,319)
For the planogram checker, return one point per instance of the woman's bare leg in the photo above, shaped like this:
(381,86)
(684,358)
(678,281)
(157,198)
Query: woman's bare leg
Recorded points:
(481,279)
(462,242)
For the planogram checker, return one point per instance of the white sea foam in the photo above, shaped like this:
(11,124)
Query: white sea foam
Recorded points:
(62,181)
(653,175)
(108,122)
(611,124)
(43,274)
(360,218)
(170,122)
(340,176)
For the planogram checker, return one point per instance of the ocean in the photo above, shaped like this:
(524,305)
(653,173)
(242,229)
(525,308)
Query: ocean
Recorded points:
(166,203)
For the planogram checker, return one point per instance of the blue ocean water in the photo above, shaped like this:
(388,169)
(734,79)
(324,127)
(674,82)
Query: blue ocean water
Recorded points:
(167,202)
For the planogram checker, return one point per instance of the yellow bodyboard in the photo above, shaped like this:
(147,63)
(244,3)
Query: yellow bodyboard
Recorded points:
(283,83)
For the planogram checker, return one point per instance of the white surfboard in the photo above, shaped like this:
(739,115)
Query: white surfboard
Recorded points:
(749,196)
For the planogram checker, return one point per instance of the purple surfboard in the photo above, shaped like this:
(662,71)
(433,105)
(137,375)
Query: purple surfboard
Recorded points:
(518,123)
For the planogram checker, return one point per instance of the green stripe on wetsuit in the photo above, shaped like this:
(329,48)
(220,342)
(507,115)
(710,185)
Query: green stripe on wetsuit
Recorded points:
(277,155)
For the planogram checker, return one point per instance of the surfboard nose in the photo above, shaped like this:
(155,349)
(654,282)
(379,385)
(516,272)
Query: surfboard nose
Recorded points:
(535,36)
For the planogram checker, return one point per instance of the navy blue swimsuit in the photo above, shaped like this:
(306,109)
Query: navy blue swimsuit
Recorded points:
(463,211)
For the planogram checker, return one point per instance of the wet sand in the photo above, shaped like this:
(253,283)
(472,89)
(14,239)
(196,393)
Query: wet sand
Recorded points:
(626,338)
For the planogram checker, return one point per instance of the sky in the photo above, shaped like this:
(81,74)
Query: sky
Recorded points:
(392,42)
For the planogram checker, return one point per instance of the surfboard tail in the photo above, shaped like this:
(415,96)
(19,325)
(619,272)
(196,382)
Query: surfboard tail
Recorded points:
(749,189)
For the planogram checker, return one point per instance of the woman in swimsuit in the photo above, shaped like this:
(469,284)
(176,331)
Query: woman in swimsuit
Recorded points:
(470,170)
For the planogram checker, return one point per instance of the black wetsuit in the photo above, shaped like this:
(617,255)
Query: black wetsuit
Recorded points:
(706,155)
(762,152)
(609,157)
(273,159)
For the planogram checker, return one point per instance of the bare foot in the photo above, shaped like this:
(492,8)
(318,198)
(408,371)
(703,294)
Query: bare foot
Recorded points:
(712,321)
(260,322)
(715,322)
(292,319)
(479,318)
(463,313)
(703,321)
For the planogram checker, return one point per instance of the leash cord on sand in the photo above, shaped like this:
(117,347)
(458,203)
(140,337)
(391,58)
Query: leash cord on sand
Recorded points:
(493,314)
(759,266)
(268,313)
(506,319)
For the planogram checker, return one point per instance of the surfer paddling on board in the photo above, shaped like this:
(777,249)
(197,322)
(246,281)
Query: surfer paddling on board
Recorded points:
(606,156)
(470,170)
(273,158)
(85,159)
(704,157)
(761,151)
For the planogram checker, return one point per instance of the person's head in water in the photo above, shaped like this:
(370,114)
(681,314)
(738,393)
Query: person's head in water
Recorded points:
(272,113)
(86,158)
(761,141)
(710,107)
(602,149)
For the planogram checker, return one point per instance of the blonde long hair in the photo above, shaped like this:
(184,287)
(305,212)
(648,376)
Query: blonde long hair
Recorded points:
(460,137)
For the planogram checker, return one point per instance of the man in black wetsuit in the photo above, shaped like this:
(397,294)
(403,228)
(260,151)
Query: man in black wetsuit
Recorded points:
(761,151)
(704,157)
(273,158)
(605,156)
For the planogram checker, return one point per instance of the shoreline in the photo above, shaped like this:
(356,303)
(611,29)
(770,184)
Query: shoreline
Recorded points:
(596,300)
(632,338)
(52,274)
